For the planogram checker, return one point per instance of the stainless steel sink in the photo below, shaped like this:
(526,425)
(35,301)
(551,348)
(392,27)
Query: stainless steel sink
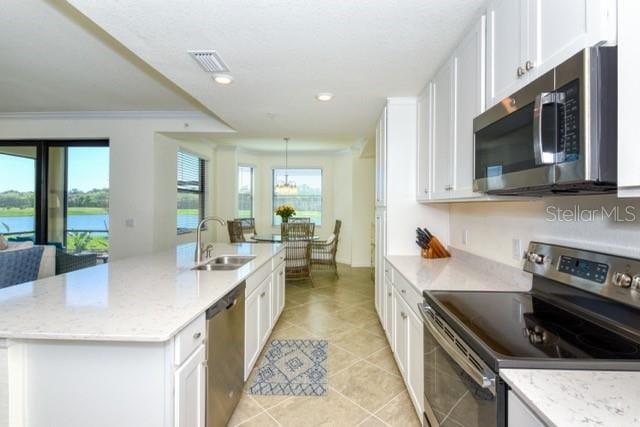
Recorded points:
(225,263)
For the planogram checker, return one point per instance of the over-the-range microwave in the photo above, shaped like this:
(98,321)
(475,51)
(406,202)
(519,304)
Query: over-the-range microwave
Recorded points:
(557,135)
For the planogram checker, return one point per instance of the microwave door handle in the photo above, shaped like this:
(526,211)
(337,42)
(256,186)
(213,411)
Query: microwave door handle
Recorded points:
(541,157)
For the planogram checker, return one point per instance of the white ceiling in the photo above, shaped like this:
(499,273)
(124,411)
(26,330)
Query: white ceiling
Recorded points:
(282,53)
(52,58)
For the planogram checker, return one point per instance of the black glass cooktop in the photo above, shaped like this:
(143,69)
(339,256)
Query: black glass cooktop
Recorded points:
(526,325)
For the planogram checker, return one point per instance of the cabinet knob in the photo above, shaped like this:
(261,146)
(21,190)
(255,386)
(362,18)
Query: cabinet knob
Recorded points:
(520,72)
(197,335)
(404,291)
(529,65)
(403,314)
(389,294)
(262,294)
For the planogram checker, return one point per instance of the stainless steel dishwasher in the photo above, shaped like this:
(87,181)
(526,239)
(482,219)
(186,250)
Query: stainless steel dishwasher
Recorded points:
(225,356)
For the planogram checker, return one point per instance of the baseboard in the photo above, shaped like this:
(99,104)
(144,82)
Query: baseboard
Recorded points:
(361,265)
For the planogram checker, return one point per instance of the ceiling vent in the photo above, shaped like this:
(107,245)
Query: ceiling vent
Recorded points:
(209,60)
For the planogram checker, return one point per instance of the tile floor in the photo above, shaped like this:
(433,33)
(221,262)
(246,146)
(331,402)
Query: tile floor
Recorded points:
(365,387)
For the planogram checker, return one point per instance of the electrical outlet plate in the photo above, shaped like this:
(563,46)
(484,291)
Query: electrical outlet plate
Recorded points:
(465,236)
(516,249)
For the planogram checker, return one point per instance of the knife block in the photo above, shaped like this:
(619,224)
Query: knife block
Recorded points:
(435,250)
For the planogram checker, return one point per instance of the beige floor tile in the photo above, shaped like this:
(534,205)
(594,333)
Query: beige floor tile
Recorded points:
(326,327)
(358,317)
(367,385)
(384,359)
(359,342)
(400,412)
(306,297)
(267,402)
(374,327)
(329,410)
(262,420)
(339,359)
(292,332)
(372,421)
(247,408)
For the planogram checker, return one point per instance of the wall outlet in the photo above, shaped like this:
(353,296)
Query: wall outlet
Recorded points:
(465,236)
(516,249)
(130,222)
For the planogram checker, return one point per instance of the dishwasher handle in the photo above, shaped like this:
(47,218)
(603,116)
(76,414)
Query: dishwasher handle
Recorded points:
(227,301)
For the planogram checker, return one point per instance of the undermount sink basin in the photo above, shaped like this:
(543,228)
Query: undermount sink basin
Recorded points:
(224,263)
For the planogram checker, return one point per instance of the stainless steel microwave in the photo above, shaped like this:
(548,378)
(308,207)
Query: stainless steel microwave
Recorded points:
(557,135)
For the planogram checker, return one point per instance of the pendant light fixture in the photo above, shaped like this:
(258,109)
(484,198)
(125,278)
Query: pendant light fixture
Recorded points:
(287,186)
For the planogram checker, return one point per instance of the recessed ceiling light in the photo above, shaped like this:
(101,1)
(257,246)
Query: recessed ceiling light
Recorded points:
(223,79)
(324,96)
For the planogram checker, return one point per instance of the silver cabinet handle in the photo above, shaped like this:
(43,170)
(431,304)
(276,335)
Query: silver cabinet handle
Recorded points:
(403,314)
(197,335)
(389,294)
(529,65)
(280,273)
(404,291)
(263,294)
(520,72)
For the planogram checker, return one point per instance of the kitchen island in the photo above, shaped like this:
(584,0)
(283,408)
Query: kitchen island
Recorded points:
(123,343)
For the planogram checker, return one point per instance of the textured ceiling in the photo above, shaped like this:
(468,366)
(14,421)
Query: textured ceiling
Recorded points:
(282,53)
(52,58)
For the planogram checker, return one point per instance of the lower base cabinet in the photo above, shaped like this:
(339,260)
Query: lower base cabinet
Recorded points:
(518,414)
(190,398)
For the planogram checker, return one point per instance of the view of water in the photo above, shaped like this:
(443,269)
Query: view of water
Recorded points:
(78,222)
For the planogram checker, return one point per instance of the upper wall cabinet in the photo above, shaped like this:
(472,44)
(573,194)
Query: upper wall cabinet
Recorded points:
(527,38)
(446,109)
(381,160)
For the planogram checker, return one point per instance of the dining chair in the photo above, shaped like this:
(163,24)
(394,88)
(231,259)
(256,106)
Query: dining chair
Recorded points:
(297,239)
(248,226)
(299,219)
(236,234)
(323,254)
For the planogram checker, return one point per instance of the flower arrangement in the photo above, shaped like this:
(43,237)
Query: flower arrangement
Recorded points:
(285,212)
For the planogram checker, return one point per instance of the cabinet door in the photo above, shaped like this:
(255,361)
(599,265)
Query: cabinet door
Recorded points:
(388,311)
(264,310)
(381,160)
(518,414)
(423,158)
(415,357)
(190,382)
(251,331)
(381,245)
(443,106)
(280,280)
(469,89)
(507,38)
(400,332)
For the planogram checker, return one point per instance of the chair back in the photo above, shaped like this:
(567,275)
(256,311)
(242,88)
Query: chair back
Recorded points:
(20,265)
(336,228)
(299,219)
(236,234)
(297,230)
(66,262)
(248,225)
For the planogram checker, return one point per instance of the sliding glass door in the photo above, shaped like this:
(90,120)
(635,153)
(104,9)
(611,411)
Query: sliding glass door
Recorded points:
(18,192)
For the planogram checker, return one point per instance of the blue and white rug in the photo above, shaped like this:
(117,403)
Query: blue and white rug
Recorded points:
(292,368)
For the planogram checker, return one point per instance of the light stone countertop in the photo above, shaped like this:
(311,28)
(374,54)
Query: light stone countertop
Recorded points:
(578,398)
(462,272)
(144,299)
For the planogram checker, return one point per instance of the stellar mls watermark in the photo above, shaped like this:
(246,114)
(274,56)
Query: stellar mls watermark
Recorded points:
(577,213)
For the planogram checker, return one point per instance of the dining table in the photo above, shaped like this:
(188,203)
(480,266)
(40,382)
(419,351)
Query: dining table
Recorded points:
(274,238)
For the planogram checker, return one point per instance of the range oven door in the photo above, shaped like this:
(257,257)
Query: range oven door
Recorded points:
(459,387)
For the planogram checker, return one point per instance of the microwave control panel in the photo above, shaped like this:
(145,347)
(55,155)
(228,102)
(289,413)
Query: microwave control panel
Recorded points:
(569,122)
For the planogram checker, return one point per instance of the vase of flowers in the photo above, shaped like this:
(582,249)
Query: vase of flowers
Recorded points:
(285,212)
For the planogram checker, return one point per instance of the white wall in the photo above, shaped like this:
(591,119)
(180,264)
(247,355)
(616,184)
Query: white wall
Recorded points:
(142,176)
(492,226)
(338,202)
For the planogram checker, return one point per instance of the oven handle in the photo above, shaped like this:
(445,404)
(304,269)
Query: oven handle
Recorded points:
(543,157)
(477,376)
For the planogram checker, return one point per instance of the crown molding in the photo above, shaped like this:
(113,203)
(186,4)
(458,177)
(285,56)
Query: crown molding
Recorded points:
(121,114)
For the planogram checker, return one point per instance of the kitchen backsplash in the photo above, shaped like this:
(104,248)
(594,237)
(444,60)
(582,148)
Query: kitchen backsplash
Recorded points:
(499,230)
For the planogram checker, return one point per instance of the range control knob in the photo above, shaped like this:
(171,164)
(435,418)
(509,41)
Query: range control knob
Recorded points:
(635,282)
(622,280)
(535,258)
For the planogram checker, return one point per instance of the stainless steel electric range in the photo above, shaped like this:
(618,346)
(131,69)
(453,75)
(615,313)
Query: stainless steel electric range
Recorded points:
(583,312)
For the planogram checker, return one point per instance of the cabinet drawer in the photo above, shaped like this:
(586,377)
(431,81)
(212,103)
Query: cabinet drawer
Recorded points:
(257,278)
(188,339)
(277,260)
(407,292)
(388,271)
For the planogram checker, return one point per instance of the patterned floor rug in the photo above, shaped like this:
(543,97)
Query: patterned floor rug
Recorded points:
(292,368)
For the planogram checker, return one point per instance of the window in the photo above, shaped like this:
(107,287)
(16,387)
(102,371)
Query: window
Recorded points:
(191,191)
(245,192)
(306,197)
(56,192)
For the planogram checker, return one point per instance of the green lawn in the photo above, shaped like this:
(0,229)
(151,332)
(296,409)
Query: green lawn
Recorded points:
(71,211)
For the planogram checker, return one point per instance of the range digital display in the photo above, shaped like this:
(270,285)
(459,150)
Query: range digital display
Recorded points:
(590,270)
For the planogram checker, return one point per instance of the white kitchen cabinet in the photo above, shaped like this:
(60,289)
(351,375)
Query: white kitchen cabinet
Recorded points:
(415,361)
(526,38)
(381,160)
(278,297)
(388,310)
(190,388)
(400,332)
(424,143)
(264,309)
(518,414)
(469,90)
(251,331)
(442,150)
(381,245)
